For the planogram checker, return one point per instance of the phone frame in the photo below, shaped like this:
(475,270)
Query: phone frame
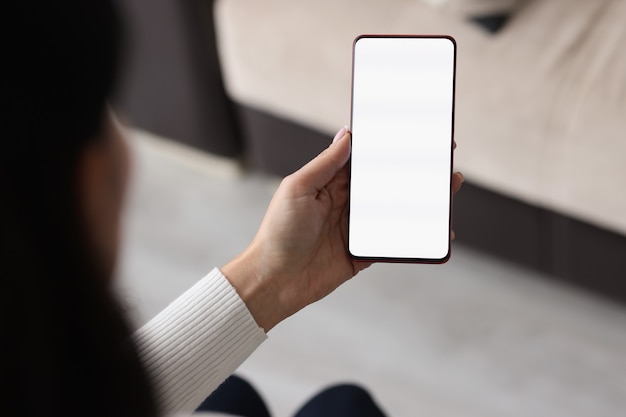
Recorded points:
(409,260)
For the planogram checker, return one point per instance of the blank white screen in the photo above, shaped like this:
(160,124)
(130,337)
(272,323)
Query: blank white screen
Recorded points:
(402,109)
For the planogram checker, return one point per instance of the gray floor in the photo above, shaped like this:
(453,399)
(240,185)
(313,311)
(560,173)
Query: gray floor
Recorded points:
(474,337)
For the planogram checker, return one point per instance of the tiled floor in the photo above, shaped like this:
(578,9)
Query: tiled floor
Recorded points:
(474,337)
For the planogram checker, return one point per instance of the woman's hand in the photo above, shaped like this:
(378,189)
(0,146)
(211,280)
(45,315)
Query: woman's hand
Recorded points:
(299,254)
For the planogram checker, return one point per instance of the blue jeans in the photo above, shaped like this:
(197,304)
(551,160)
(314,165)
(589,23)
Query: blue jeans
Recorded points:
(236,396)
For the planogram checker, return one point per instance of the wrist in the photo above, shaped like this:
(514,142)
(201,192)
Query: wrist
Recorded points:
(254,289)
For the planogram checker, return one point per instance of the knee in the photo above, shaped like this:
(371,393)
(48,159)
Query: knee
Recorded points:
(347,392)
(343,400)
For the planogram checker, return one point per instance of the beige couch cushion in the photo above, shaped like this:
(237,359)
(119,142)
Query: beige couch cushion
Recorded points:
(476,7)
(541,106)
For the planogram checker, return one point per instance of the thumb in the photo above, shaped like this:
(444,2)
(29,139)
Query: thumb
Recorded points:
(319,171)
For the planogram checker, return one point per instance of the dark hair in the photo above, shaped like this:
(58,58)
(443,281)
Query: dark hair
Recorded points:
(66,346)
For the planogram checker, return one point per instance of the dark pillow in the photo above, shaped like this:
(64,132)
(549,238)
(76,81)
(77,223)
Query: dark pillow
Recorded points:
(491,15)
(492,22)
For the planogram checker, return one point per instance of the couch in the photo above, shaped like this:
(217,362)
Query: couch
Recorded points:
(540,117)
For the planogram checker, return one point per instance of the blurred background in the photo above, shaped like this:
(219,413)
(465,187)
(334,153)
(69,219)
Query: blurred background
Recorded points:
(528,318)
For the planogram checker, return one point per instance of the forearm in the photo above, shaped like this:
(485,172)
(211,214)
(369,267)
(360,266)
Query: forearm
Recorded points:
(196,342)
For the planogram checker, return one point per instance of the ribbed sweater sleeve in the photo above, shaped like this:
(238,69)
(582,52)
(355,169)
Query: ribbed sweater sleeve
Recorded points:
(196,342)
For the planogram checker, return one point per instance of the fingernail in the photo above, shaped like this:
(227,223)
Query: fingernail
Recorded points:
(462,177)
(340,134)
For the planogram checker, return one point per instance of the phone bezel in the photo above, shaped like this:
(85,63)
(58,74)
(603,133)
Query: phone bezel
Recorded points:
(401,259)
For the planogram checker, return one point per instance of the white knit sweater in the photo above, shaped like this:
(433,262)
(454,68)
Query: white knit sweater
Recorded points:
(196,342)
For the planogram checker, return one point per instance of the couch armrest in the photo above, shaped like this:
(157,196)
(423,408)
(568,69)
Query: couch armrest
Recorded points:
(171,81)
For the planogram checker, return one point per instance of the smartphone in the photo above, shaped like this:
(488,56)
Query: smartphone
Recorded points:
(402,124)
